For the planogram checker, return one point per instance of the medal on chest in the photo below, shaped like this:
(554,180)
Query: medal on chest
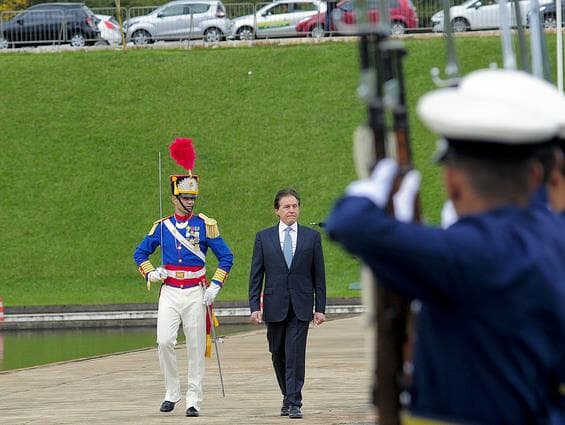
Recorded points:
(193,236)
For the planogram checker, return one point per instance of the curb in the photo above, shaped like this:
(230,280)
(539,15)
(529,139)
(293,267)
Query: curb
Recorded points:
(126,315)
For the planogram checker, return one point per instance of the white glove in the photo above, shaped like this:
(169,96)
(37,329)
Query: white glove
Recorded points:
(377,188)
(405,199)
(448,214)
(211,292)
(157,275)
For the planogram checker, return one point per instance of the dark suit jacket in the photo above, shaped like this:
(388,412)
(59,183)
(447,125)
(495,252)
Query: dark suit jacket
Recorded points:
(303,284)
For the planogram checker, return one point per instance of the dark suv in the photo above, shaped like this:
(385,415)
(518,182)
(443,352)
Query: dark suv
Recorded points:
(72,23)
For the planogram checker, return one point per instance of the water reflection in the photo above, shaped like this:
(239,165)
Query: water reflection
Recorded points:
(19,349)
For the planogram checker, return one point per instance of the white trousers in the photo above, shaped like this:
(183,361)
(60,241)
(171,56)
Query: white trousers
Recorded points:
(184,306)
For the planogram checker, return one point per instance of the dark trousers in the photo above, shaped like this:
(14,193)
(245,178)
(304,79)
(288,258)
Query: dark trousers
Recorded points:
(287,344)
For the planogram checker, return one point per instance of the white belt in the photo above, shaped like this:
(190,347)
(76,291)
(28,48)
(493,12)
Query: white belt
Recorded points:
(182,274)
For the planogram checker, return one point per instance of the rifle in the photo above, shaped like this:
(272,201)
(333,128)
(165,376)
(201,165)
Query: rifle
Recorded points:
(524,59)
(508,57)
(451,68)
(386,134)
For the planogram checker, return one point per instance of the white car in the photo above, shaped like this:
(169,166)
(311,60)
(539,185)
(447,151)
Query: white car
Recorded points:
(277,19)
(180,20)
(109,29)
(479,14)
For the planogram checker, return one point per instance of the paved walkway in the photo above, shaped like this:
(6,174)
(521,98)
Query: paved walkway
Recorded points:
(127,388)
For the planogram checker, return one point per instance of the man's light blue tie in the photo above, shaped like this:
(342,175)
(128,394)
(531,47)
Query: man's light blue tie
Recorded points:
(287,247)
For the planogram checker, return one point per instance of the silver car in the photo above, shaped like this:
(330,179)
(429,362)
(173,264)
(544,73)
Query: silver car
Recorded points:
(180,19)
(480,14)
(276,19)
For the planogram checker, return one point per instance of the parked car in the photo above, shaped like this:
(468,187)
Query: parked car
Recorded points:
(315,25)
(479,14)
(276,19)
(180,19)
(549,14)
(72,23)
(402,16)
(109,29)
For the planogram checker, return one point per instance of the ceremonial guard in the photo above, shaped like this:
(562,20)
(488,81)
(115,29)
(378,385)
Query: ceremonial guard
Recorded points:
(491,329)
(185,239)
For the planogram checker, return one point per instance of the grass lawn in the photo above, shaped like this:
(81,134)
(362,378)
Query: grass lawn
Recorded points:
(80,135)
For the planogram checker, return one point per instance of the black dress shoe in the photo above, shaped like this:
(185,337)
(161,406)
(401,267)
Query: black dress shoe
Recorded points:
(285,410)
(295,413)
(167,406)
(191,411)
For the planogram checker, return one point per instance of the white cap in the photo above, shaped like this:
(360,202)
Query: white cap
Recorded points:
(493,106)
(504,84)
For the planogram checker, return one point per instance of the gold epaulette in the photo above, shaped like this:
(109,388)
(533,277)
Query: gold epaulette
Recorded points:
(212,230)
(156,224)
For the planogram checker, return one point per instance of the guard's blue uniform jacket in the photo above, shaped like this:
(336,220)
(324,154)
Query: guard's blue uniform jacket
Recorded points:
(540,198)
(185,244)
(490,340)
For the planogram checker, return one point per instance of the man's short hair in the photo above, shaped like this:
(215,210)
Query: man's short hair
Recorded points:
(548,157)
(285,192)
(507,180)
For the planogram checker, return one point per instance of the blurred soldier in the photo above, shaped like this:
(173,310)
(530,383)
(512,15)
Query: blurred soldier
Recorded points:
(539,93)
(489,346)
(542,94)
(556,182)
(184,239)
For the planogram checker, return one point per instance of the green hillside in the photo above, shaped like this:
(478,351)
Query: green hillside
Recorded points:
(80,135)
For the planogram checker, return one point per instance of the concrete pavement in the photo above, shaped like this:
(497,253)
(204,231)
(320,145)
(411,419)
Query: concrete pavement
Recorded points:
(127,388)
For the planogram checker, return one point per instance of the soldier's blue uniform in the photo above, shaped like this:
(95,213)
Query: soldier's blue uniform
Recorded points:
(490,337)
(493,293)
(178,257)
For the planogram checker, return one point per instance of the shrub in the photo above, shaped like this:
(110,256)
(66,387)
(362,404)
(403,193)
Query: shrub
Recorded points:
(13,5)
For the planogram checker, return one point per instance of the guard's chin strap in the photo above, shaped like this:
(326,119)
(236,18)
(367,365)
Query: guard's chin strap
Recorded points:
(188,211)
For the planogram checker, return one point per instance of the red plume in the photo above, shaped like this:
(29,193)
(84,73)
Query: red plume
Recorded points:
(183,152)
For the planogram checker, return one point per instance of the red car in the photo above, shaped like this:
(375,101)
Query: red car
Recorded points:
(402,16)
(314,26)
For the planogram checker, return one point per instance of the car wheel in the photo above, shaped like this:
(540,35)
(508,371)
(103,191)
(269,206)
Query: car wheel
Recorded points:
(549,21)
(4,44)
(141,38)
(245,33)
(213,35)
(397,28)
(459,25)
(78,40)
(317,31)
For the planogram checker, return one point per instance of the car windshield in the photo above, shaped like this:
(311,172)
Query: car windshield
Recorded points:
(372,4)
(87,11)
(467,3)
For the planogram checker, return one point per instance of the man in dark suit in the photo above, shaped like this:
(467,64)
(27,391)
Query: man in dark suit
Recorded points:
(288,259)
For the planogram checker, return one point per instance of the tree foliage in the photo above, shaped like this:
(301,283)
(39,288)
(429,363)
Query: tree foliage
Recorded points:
(7,5)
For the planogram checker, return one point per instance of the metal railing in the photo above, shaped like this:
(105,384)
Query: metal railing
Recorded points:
(245,21)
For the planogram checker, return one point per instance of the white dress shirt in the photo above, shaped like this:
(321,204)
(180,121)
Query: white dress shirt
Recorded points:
(293,234)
